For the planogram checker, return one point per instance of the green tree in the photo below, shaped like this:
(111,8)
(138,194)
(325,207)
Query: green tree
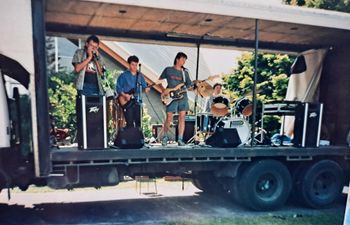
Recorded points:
(146,123)
(336,5)
(272,81)
(62,95)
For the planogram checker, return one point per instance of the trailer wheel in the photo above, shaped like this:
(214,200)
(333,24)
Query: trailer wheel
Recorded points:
(321,184)
(297,173)
(265,185)
(207,182)
(233,189)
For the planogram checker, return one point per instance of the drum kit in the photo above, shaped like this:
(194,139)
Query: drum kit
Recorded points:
(222,116)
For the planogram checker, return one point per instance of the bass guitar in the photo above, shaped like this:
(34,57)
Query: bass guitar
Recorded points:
(178,92)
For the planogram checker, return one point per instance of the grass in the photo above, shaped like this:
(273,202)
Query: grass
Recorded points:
(265,220)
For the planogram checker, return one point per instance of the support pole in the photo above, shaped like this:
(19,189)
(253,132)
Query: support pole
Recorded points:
(252,143)
(197,70)
(41,86)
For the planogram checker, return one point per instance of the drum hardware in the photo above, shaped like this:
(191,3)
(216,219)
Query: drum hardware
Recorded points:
(244,106)
(203,88)
(220,106)
(205,125)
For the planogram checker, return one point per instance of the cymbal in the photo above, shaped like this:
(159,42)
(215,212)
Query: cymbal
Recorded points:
(203,88)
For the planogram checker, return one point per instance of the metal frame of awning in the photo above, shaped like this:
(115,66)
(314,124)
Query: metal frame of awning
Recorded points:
(171,39)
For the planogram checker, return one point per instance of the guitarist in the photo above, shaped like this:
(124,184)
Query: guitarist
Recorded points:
(128,88)
(175,75)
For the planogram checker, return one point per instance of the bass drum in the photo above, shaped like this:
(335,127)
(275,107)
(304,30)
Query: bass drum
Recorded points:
(242,126)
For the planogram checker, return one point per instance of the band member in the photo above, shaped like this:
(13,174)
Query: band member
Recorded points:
(88,64)
(175,75)
(129,86)
(209,102)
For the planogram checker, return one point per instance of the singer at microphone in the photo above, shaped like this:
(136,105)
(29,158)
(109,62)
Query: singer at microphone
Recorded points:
(129,86)
(88,71)
(88,68)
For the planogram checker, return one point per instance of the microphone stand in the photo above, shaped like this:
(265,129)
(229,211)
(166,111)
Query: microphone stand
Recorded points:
(139,93)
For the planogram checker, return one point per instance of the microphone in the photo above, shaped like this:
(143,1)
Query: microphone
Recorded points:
(139,67)
(95,56)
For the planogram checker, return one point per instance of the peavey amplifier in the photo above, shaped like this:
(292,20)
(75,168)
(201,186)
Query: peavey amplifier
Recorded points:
(92,124)
(307,125)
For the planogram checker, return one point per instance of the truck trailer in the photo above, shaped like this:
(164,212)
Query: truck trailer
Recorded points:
(260,177)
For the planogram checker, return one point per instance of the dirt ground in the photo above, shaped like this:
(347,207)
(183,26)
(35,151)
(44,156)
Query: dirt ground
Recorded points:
(128,204)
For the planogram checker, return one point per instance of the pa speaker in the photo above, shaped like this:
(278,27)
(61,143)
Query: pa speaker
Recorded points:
(307,124)
(129,137)
(92,123)
(224,138)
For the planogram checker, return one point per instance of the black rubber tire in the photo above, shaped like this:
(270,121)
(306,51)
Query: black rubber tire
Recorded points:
(265,185)
(208,183)
(233,184)
(233,190)
(297,172)
(320,184)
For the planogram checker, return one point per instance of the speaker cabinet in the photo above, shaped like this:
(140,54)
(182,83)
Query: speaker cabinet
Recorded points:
(92,123)
(224,138)
(129,137)
(307,125)
(157,131)
(189,128)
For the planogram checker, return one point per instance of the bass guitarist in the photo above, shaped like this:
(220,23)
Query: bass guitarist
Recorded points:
(129,86)
(174,76)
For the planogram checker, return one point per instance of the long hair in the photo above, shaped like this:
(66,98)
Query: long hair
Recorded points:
(179,55)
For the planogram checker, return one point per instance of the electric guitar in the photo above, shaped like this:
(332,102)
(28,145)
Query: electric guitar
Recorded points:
(177,93)
(124,103)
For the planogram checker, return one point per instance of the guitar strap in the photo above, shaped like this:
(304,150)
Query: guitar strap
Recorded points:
(184,76)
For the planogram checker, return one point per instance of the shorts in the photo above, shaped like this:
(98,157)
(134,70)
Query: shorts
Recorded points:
(178,106)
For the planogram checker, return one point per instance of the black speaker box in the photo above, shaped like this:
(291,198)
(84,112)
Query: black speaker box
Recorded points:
(224,138)
(129,137)
(92,122)
(307,124)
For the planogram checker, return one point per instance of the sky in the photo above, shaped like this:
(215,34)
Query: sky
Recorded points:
(220,60)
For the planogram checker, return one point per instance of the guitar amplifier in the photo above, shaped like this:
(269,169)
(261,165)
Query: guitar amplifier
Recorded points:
(189,132)
(92,122)
(307,125)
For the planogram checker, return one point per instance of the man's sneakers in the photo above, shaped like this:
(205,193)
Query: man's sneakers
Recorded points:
(165,140)
(180,142)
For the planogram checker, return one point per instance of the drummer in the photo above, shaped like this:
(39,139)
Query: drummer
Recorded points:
(217,91)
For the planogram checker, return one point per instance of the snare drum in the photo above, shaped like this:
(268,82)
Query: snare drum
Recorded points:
(206,122)
(244,106)
(220,106)
(242,126)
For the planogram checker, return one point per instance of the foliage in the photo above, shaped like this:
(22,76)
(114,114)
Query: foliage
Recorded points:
(62,95)
(146,123)
(272,80)
(337,5)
